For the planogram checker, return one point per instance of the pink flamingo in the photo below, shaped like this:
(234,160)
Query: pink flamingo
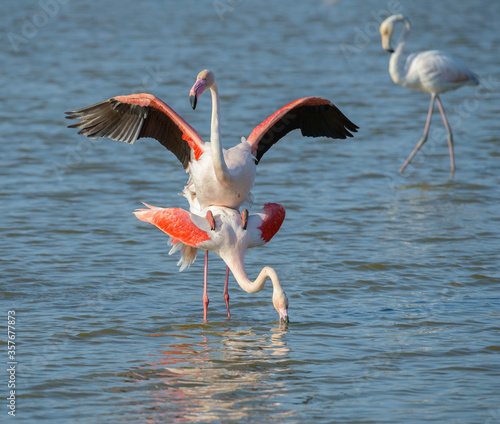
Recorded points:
(431,71)
(218,176)
(229,235)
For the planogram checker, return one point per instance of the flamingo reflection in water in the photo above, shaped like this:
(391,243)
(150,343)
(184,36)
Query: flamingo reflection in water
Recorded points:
(209,373)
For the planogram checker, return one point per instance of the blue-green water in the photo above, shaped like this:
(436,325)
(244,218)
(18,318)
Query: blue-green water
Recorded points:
(392,280)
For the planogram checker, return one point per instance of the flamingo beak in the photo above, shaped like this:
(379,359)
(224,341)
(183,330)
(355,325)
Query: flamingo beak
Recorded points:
(198,88)
(193,99)
(386,44)
(283,316)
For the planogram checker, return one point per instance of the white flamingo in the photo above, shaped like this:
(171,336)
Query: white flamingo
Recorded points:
(218,177)
(431,71)
(229,235)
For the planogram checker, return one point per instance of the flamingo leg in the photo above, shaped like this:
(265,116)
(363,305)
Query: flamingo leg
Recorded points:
(210,217)
(226,292)
(205,294)
(424,137)
(244,219)
(450,135)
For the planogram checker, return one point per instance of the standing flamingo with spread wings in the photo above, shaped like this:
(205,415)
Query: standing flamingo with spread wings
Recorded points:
(431,71)
(229,235)
(217,176)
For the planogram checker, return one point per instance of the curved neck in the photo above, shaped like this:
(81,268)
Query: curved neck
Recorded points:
(396,63)
(280,300)
(256,286)
(220,167)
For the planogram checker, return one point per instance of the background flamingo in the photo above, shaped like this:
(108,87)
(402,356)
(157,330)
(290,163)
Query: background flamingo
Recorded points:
(217,176)
(229,235)
(431,71)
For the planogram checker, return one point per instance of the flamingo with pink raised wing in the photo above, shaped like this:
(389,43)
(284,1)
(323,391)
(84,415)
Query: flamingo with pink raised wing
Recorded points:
(218,176)
(431,71)
(228,234)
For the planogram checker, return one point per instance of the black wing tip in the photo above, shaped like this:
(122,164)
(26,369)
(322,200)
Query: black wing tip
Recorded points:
(76,125)
(108,119)
(72,115)
(352,128)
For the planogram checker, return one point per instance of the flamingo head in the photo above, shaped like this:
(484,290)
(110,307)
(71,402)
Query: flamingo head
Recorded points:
(204,80)
(387,30)
(280,302)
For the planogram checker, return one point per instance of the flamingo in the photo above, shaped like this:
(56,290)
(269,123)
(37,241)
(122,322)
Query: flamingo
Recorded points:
(229,235)
(431,71)
(218,177)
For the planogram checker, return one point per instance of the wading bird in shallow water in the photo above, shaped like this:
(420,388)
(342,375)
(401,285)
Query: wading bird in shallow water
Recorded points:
(217,176)
(229,235)
(431,71)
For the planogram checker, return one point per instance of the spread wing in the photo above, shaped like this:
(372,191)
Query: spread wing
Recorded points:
(128,118)
(314,116)
(177,223)
(263,225)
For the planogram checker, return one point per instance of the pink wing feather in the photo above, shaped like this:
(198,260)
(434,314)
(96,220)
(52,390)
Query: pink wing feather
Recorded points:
(175,222)
(274,215)
(314,116)
(128,118)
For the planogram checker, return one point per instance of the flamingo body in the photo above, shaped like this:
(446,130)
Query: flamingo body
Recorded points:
(231,193)
(436,72)
(431,71)
(230,240)
(218,177)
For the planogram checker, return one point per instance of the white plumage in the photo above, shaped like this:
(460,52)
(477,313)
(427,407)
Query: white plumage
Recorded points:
(431,71)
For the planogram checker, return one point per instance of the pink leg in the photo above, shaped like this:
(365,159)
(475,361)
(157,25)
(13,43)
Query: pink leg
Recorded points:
(424,137)
(450,135)
(210,217)
(226,292)
(205,294)
(244,219)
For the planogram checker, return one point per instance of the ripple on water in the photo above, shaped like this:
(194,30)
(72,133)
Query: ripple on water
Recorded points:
(392,279)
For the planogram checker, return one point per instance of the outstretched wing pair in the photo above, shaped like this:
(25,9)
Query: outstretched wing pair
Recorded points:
(195,231)
(129,118)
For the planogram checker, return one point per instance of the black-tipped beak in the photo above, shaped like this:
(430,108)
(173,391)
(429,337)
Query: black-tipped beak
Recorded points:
(386,42)
(193,99)
(284,317)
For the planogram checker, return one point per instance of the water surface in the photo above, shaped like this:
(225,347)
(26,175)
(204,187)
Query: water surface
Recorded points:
(392,280)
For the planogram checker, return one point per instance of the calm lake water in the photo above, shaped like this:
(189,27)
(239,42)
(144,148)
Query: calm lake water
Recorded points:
(393,281)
